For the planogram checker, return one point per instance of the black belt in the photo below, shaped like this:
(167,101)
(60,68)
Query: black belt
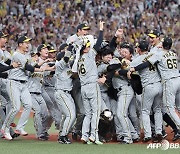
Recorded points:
(35,93)
(21,81)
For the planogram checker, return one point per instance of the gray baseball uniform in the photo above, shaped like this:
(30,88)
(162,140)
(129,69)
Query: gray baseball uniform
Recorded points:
(41,115)
(125,96)
(63,97)
(151,96)
(167,66)
(91,95)
(18,92)
(48,90)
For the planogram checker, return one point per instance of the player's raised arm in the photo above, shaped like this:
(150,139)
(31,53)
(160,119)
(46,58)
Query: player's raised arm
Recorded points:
(100,37)
(116,39)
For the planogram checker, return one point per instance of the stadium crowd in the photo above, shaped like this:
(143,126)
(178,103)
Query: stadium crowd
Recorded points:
(54,20)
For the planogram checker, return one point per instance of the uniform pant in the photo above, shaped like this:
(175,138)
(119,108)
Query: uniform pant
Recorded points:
(48,95)
(124,98)
(67,106)
(18,92)
(170,88)
(151,98)
(92,104)
(41,115)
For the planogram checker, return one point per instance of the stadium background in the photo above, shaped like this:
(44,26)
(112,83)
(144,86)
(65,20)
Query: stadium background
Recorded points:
(52,21)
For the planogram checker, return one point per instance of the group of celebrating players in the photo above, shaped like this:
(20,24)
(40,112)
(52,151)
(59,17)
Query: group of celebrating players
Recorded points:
(89,85)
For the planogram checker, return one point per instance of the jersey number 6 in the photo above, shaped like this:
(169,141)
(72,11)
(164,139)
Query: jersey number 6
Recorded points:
(82,69)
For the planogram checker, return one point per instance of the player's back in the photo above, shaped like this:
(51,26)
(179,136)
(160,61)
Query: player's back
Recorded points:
(167,66)
(148,75)
(87,68)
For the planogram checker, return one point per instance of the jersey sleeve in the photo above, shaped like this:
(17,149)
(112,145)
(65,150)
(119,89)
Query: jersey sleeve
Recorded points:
(156,57)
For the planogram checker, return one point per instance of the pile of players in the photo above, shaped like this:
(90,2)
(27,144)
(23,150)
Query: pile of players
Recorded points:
(92,88)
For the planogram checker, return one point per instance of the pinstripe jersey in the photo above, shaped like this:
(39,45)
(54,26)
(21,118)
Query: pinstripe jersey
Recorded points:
(2,57)
(87,69)
(167,64)
(35,81)
(118,81)
(19,73)
(63,75)
(148,75)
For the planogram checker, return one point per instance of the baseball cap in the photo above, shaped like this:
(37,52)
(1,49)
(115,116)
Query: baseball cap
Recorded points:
(33,53)
(2,35)
(40,47)
(83,26)
(167,43)
(51,48)
(23,39)
(154,33)
(143,45)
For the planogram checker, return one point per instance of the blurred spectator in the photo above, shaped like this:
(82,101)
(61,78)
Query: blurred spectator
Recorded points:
(54,20)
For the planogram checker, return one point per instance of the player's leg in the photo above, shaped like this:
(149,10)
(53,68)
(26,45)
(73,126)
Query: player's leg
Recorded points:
(13,89)
(68,109)
(133,115)
(76,94)
(157,107)
(149,92)
(27,106)
(124,98)
(44,115)
(50,91)
(88,115)
(94,96)
(37,115)
(170,88)
(50,106)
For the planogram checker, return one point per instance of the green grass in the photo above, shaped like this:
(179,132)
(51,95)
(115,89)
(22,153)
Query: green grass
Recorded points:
(23,146)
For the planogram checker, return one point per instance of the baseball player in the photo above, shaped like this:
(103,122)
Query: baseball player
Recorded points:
(81,30)
(152,93)
(18,90)
(48,86)
(87,71)
(102,69)
(41,115)
(63,97)
(156,48)
(167,66)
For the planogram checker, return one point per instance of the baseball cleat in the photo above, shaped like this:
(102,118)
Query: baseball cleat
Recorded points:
(21,132)
(15,135)
(157,138)
(147,139)
(98,142)
(64,140)
(86,142)
(43,138)
(6,135)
